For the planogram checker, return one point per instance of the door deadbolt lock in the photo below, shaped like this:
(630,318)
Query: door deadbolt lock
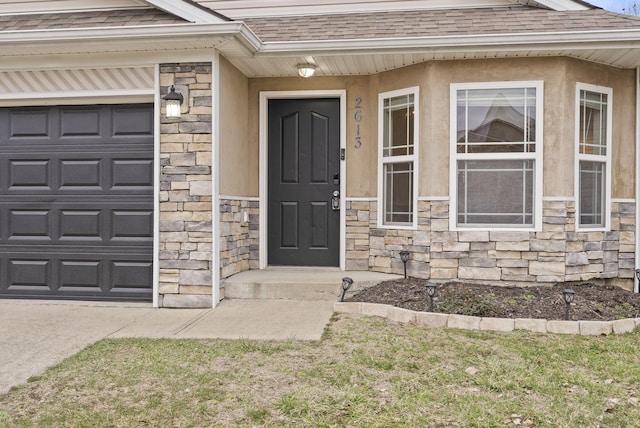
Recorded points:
(335,201)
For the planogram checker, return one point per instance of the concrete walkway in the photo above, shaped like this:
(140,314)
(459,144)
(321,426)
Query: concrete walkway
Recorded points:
(35,335)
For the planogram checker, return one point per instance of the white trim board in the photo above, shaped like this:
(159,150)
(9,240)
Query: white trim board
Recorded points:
(240,198)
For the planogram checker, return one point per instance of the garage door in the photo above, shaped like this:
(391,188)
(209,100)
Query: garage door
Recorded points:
(76,202)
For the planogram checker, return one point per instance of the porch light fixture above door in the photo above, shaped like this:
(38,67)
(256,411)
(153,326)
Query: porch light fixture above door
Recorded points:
(173,102)
(306,70)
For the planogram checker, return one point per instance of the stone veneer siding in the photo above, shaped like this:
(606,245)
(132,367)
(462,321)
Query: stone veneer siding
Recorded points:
(557,253)
(185,242)
(239,241)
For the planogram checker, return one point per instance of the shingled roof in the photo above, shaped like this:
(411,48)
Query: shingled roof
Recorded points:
(433,23)
(110,18)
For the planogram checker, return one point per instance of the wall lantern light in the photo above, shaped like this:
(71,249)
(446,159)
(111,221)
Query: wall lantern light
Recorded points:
(568,295)
(431,291)
(173,101)
(404,256)
(306,70)
(346,284)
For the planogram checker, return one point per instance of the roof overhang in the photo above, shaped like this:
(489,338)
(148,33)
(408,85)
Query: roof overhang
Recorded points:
(189,11)
(618,48)
(236,36)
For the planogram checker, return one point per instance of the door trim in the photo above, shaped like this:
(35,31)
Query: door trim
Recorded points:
(265,96)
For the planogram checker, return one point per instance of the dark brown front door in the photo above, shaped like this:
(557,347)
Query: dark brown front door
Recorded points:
(304,171)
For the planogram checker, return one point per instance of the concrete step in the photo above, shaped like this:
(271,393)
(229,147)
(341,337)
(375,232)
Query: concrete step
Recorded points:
(298,283)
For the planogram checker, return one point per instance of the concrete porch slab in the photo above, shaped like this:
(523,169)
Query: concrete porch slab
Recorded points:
(298,283)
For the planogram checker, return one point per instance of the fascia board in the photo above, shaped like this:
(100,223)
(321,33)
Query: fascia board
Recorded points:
(587,39)
(185,10)
(564,4)
(129,34)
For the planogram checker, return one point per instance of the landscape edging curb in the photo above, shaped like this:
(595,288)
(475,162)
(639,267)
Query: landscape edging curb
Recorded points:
(463,322)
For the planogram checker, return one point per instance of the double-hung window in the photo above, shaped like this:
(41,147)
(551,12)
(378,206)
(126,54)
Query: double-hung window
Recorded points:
(398,151)
(593,135)
(496,155)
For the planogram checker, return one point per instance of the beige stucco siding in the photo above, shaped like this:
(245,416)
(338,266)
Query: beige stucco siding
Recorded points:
(624,112)
(238,155)
(434,79)
(362,162)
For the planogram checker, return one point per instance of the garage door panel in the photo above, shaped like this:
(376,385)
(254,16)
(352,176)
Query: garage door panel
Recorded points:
(86,173)
(29,123)
(98,276)
(132,121)
(132,225)
(29,224)
(80,123)
(80,275)
(25,173)
(131,172)
(78,223)
(29,274)
(76,202)
(51,174)
(131,275)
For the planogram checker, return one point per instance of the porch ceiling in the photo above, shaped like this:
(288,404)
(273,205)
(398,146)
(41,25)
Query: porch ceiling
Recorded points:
(366,63)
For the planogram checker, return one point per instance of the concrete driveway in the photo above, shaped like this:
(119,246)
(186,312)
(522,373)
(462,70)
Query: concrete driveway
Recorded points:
(35,335)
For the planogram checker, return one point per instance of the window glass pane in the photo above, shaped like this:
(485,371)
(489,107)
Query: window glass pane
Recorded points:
(398,193)
(593,123)
(398,121)
(592,193)
(496,120)
(496,192)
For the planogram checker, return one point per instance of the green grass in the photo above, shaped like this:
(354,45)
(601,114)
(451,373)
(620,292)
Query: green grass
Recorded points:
(366,372)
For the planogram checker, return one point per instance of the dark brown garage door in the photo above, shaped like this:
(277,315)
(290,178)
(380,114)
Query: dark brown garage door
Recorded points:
(76,202)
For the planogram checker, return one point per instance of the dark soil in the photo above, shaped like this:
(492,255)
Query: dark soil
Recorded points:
(591,301)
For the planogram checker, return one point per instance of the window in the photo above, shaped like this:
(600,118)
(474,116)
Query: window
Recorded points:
(496,155)
(593,135)
(397,130)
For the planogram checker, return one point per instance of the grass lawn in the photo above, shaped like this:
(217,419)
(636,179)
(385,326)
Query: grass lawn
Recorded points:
(366,372)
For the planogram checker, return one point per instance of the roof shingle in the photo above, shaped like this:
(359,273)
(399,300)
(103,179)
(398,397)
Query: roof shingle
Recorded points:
(111,18)
(433,23)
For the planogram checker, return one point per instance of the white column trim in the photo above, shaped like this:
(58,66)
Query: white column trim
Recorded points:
(637,150)
(215,179)
(156,191)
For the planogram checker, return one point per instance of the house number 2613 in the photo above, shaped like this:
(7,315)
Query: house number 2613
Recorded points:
(357,116)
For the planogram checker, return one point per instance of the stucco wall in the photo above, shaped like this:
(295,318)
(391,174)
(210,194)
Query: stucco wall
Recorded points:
(559,75)
(558,252)
(362,161)
(239,158)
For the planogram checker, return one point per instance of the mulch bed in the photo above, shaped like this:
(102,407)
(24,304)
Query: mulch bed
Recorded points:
(592,301)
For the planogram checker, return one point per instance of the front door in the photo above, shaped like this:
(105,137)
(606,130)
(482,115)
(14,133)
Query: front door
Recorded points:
(304,173)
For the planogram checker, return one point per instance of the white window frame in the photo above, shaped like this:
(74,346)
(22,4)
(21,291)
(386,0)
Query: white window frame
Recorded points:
(537,156)
(606,159)
(382,161)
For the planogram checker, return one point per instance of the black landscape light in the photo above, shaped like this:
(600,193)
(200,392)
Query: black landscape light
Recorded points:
(346,284)
(431,291)
(568,295)
(404,256)
(638,278)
